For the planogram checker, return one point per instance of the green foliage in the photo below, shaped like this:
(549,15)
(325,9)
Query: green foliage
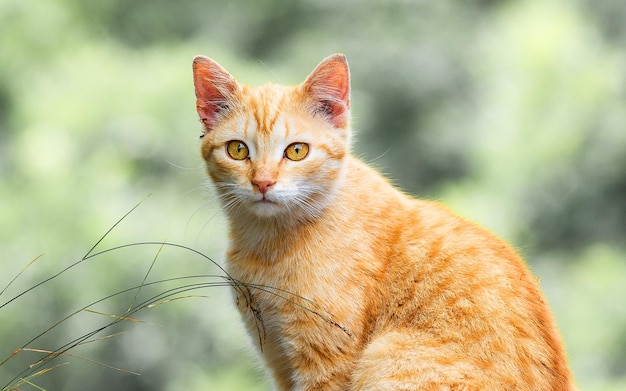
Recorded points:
(511,112)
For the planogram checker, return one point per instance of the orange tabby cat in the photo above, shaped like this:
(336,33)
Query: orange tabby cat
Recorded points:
(346,282)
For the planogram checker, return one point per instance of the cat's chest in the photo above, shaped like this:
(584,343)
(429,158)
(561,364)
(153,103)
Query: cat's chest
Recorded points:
(295,286)
(305,299)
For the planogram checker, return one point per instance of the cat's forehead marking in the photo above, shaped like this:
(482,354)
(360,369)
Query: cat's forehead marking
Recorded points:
(267,103)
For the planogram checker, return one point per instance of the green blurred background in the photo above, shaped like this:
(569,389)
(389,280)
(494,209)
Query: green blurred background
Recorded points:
(511,112)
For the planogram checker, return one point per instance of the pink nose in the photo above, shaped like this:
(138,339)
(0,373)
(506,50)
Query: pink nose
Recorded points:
(263,185)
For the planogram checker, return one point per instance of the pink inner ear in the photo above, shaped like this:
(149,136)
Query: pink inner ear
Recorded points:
(329,87)
(213,86)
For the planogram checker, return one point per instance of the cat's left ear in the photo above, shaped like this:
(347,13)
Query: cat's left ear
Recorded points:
(328,90)
(215,88)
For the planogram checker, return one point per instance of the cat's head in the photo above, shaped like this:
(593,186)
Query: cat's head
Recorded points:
(275,151)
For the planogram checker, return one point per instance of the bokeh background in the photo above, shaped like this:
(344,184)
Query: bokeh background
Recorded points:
(511,112)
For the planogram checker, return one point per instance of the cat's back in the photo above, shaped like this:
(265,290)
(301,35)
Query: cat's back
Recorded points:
(424,242)
(457,294)
(426,236)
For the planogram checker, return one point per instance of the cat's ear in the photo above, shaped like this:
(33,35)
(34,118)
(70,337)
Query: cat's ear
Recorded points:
(328,90)
(214,89)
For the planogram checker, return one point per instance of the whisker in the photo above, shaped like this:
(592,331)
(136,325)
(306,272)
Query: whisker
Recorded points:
(205,187)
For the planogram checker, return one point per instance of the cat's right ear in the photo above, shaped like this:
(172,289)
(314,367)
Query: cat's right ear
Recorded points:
(214,90)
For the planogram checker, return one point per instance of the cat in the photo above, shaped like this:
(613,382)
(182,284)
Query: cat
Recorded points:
(343,281)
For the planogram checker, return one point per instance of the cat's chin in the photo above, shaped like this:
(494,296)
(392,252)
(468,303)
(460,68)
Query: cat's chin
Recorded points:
(266,208)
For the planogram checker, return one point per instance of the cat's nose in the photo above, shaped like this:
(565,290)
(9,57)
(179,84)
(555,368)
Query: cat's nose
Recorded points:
(263,185)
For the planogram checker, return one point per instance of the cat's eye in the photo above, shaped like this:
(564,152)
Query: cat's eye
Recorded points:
(297,151)
(237,150)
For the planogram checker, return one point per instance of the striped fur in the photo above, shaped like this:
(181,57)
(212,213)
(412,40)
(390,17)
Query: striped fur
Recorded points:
(353,285)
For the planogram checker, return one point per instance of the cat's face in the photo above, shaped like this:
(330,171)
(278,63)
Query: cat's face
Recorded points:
(274,151)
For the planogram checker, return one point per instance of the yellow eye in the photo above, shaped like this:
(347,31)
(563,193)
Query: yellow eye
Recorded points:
(237,150)
(297,151)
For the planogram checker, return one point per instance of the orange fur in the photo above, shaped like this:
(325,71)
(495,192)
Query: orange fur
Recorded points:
(351,284)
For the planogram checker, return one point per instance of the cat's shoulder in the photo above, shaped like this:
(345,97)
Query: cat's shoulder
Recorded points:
(371,181)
